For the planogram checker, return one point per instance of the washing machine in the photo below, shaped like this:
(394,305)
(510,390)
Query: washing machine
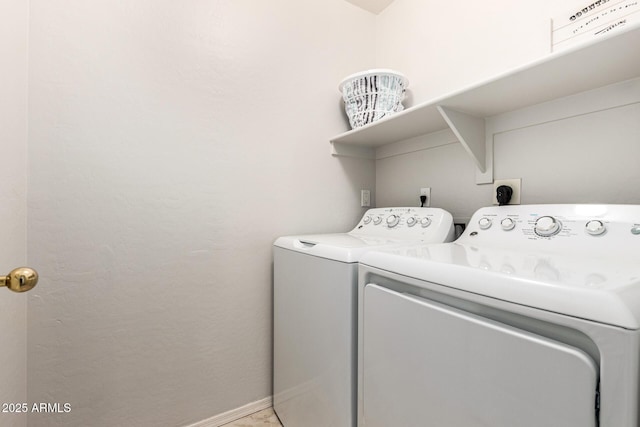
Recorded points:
(315,311)
(531,318)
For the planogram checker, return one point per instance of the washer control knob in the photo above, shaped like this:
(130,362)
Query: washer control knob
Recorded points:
(366,219)
(547,226)
(595,227)
(411,221)
(485,223)
(377,220)
(393,220)
(635,230)
(425,222)
(507,224)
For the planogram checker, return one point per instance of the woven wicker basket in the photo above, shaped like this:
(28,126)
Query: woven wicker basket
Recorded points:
(373,94)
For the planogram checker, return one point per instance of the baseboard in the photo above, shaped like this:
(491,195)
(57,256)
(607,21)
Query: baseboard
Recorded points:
(235,414)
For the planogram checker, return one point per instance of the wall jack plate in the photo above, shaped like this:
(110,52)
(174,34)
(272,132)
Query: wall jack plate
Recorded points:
(426,191)
(515,186)
(365,198)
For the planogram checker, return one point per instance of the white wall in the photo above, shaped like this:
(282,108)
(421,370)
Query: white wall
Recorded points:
(446,46)
(14,16)
(170,144)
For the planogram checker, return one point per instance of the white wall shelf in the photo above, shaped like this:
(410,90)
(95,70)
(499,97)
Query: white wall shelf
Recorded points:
(583,67)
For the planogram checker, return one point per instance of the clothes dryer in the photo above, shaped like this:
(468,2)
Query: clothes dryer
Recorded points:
(315,311)
(530,318)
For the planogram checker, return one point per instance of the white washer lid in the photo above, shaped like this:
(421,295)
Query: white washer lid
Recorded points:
(343,247)
(601,289)
(374,232)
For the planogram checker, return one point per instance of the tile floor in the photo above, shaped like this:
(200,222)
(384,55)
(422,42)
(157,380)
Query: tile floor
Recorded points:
(265,418)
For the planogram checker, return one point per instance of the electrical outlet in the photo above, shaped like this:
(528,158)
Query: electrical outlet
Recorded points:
(365,198)
(426,191)
(515,186)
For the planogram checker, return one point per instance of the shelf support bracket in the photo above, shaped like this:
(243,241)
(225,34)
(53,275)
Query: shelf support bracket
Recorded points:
(471,132)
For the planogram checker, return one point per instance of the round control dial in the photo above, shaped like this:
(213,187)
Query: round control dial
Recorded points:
(367,219)
(485,223)
(595,227)
(425,222)
(635,230)
(412,221)
(377,220)
(507,224)
(547,226)
(392,220)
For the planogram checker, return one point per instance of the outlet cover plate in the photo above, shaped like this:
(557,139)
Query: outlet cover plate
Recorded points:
(365,198)
(426,191)
(515,185)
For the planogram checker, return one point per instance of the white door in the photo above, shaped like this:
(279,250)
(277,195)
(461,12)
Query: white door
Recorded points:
(429,364)
(13,204)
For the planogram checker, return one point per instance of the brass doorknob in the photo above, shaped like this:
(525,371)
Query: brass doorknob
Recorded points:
(21,279)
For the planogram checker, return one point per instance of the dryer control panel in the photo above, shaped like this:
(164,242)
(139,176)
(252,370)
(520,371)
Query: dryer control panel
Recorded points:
(556,227)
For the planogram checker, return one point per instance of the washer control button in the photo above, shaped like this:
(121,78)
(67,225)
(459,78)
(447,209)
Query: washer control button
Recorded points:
(485,223)
(392,220)
(367,219)
(425,222)
(412,221)
(635,230)
(547,226)
(595,227)
(507,224)
(377,219)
